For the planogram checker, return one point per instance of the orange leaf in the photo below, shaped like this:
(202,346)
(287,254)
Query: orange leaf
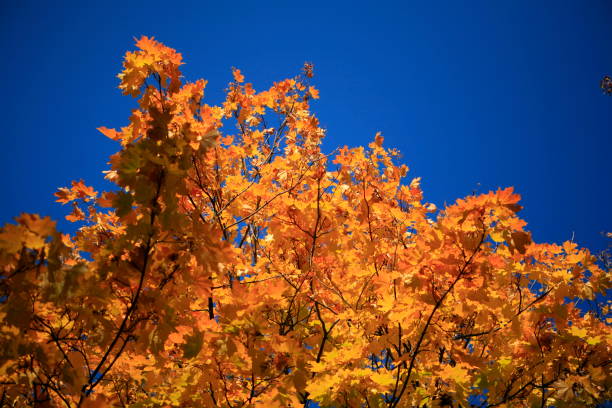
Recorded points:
(110,133)
(238,77)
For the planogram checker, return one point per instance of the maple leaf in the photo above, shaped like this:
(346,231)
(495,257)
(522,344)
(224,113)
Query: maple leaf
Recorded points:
(76,215)
(110,133)
(238,77)
(314,93)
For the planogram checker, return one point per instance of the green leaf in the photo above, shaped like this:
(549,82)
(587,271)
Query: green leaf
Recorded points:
(193,345)
(123,203)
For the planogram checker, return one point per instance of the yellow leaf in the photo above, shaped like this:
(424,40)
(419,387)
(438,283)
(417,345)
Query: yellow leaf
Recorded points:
(578,332)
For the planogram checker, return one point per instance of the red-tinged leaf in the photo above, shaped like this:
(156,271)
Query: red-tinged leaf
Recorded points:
(76,215)
(64,195)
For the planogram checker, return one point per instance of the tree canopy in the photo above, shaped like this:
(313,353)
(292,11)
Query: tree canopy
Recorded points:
(237,265)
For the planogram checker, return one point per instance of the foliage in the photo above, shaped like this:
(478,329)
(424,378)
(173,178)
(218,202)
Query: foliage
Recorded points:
(247,268)
(606,85)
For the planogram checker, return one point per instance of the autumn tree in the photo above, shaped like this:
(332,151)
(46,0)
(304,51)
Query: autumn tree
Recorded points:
(237,265)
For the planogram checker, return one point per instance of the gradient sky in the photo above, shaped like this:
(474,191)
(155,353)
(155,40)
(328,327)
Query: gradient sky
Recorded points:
(492,95)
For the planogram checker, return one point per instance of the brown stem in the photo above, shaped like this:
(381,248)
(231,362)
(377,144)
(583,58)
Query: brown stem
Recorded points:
(417,347)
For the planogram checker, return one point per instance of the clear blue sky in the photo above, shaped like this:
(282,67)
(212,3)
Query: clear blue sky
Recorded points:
(497,93)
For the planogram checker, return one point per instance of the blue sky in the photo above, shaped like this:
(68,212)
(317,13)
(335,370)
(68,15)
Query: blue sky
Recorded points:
(489,95)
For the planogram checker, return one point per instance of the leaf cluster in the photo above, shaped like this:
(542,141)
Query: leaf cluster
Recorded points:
(237,265)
